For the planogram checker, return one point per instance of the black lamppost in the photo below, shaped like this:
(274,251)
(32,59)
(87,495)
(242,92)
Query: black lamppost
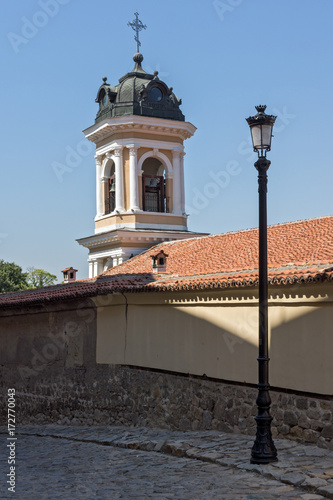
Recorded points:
(263,451)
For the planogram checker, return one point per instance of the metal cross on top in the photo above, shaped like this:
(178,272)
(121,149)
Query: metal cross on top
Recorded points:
(137,26)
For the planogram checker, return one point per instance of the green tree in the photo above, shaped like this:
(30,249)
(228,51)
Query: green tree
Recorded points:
(12,278)
(37,278)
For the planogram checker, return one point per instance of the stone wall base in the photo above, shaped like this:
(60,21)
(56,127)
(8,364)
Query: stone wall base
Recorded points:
(107,394)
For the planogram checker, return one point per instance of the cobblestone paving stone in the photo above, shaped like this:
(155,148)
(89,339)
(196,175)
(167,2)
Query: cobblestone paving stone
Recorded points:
(60,463)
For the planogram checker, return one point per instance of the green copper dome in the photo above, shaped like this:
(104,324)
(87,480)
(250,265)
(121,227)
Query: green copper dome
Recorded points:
(138,93)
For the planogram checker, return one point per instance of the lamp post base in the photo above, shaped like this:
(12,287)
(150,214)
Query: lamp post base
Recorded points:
(263,450)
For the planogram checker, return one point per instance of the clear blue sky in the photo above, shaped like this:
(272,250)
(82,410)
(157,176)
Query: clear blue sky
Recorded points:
(222,58)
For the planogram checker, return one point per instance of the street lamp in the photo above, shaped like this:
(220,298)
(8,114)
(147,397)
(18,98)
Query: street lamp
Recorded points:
(263,450)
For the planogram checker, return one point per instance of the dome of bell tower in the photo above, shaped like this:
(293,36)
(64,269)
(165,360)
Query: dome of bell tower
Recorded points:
(138,93)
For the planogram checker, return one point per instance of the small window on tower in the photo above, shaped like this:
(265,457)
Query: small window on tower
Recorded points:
(156,94)
(105,100)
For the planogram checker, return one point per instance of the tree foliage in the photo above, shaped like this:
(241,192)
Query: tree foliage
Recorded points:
(37,278)
(12,278)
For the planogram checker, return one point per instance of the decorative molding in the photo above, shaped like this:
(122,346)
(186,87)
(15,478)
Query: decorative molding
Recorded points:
(143,225)
(161,156)
(159,126)
(142,212)
(108,157)
(133,151)
(117,238)
(140,143)
(118,152)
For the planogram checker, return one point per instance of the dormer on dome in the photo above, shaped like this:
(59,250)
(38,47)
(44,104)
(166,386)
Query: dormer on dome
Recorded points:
(106,97)
(159,262)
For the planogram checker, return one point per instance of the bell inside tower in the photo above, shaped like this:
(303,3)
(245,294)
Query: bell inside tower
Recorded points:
(154,187)
(110,189)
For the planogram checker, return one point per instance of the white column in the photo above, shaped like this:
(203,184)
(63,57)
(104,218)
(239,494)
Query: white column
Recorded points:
(134,185)
(122,257)
(97,267)
(118,169)
(99,199)
(182,177)
(168,178)
(176,182)
(95,272)
(104,180)
(91,268)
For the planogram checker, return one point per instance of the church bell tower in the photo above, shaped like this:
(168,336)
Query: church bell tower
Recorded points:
(139,133)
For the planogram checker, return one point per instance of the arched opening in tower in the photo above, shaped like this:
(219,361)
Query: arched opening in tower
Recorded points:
(154,188)
(110,190)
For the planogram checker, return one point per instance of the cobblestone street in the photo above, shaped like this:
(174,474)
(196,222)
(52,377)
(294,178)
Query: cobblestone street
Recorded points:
(54,462)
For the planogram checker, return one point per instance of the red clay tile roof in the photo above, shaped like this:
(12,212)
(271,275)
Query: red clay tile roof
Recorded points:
(295,248)
(298,252)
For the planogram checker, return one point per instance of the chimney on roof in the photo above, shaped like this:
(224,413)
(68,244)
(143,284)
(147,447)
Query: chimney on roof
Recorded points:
(159,261)
(69,274)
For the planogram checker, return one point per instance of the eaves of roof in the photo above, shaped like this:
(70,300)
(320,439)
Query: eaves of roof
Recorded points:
(129,283)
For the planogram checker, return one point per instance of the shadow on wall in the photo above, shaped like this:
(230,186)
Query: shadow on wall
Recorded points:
(219,339)
(196,338)
(42,344)
(301,348)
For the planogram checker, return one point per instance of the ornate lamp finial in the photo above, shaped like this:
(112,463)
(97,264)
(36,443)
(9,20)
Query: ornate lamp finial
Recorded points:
(137,26)
(261,108)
